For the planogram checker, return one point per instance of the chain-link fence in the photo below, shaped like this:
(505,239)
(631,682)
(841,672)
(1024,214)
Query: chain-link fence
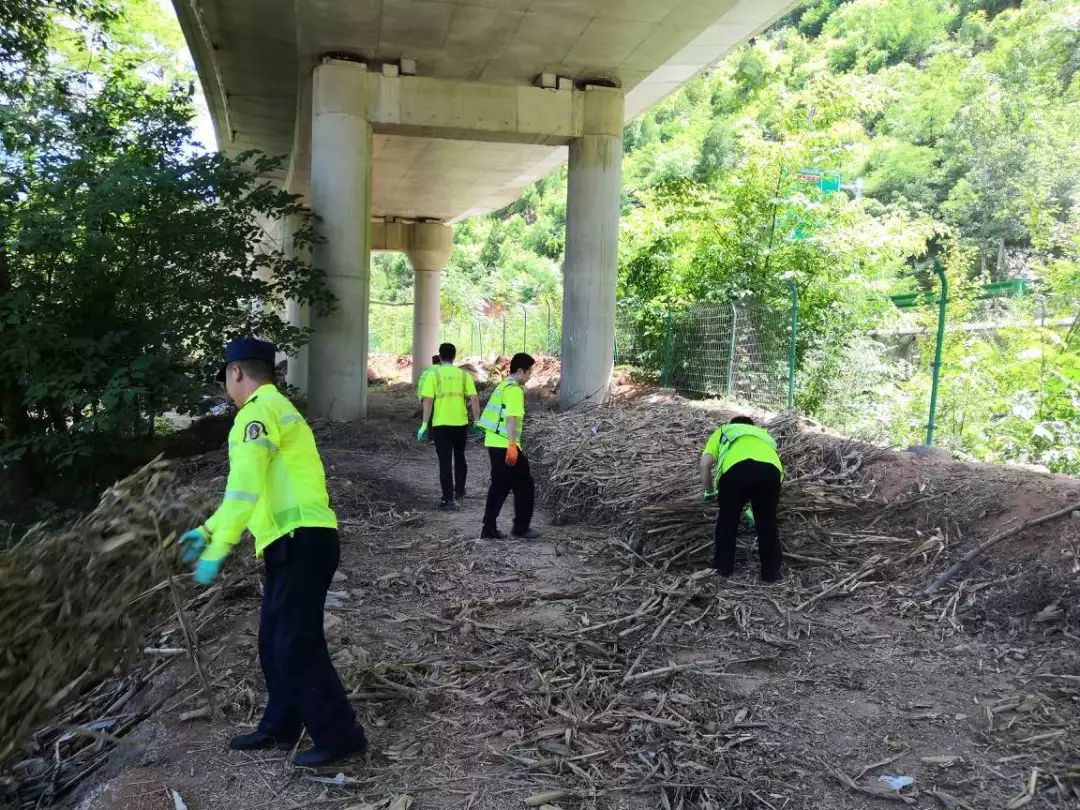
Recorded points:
(1009,387)
(1008,376)
(1007,384)
(740,351)
(499,331)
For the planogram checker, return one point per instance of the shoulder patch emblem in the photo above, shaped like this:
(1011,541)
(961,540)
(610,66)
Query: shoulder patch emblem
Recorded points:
(254,430)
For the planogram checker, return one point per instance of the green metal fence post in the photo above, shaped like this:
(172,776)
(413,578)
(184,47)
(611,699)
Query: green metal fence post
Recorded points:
(731,352)
(943,302)
(791,343)
(665,359)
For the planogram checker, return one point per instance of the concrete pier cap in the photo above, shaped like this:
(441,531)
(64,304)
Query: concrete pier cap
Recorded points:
(428,245)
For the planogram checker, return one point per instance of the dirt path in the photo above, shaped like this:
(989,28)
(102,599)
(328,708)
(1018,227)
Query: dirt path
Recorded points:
(487,672)
(394,587)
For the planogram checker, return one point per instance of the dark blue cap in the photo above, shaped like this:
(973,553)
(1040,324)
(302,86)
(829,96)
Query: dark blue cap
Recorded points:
(247,349)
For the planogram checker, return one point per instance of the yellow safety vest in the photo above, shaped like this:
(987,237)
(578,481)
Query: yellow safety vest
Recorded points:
(448,387)
(276,481)
(731,444)
(493,419)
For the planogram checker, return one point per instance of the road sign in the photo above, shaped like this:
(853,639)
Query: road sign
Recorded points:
(826,182)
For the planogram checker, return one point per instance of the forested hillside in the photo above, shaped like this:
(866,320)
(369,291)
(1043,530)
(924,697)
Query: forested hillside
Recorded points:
(961,118)
(953,128)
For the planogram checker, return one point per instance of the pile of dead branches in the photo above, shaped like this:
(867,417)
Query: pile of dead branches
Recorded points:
(75,600)
(636,468)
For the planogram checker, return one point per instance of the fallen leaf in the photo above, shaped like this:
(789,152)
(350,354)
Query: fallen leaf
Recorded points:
(546,797)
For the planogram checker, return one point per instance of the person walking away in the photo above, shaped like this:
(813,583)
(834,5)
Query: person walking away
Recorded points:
(502,423)
(445,394)
(276,489)
(427,372)
(740,464)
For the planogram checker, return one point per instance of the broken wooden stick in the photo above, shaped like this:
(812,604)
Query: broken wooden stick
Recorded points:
(958,566)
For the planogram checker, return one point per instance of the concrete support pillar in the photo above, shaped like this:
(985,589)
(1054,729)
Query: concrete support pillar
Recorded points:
(297,314)
(592,240)
(341,198)
(296,374)
(429,246)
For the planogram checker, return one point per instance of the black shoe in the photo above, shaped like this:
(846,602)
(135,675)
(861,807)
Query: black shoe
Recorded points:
(527,534)
(493,535)
(447,503)
(316,757)
(460,496)
(259,740)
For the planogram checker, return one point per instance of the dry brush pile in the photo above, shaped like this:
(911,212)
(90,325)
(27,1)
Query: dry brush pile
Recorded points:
(76,600)
(857,522)
(635,468)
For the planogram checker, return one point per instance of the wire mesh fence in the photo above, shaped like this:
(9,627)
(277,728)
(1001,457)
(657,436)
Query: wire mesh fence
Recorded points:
(739,351)
(1010,381)
(1009,375)
(535,329)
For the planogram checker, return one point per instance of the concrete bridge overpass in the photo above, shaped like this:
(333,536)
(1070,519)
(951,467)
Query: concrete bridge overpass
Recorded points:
(401,117)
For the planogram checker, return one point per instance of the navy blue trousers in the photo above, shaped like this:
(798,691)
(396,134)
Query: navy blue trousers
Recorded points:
(303,688)
(450,442)
(504,480)
(759,483)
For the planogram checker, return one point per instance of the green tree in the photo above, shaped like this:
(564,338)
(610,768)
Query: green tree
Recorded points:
(26,28)
(126,261)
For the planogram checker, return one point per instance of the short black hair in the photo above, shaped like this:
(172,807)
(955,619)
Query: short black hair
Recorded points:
(740,420)
(447,351)
(258,370)
(521,362)
(435,359)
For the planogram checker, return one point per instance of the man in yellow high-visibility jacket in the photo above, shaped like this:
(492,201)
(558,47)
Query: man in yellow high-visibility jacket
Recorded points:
(276,489)
(502,423)
(445,392)
(740,464)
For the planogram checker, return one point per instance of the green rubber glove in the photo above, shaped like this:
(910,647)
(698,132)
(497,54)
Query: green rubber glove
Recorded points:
(479,431)
(192,544)
(421,433)
(748,517)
